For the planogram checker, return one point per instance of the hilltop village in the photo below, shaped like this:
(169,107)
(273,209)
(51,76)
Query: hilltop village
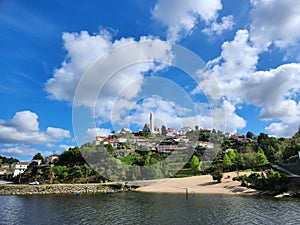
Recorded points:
(162,140)
(156,143)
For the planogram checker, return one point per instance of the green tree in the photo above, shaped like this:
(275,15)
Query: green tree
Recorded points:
(271,153)
(71,157)
(204,136)
(290,152)
(217,174)
(195,164)
(261,158)
(38,156)
(8,160)
(239,161)
(249,135)
(249,159)
(227,162)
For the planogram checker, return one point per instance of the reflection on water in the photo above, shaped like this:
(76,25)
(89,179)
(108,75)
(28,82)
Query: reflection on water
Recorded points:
(141,208)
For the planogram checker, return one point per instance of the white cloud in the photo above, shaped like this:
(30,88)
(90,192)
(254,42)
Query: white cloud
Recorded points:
(168,113)
(181,17)
(17,150)
(274,92)
(93,132)
(236,63)
(283,129)
(84,54)
(165,113)
(227,23)
(17,131)
(23,150)
(82,49)
(225,118)
(287,110)
(238,58)
(275,21)
(234,72)
(271,88)
(120,90)
(25,121)
(111,74)
(57,134)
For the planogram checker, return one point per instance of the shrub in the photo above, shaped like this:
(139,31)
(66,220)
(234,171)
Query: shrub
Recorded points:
(217,175)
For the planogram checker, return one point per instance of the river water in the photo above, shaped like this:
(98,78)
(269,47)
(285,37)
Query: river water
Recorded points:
(144,208)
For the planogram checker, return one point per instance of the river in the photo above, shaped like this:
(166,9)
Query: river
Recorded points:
(144,208)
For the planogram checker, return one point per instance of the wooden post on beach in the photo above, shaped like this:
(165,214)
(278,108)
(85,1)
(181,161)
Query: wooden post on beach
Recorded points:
(186,193)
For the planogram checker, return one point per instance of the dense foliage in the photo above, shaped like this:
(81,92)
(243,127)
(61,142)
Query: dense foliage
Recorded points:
(71,167)
(4,160)
(267,180)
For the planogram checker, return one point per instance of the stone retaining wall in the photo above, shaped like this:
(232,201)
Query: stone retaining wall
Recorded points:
(13,189)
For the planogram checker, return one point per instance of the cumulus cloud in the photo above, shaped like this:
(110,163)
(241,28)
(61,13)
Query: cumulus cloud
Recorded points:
(57,134)
(164,110)
(18,131)
(273,87)
(236,63)
(274,91)
(230,122)
(17,150)
(25,121)
(115,70)
(93,132)
(181,17)
(285,128)
(238,58)
(120,90)
(227,23)
(83,51)
(234,71)
(169,113)
(275,21)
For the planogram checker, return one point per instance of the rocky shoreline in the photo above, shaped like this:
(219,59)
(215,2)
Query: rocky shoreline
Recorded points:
(20,189)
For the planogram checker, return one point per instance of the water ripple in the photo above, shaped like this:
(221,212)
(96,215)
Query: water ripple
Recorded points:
(141,208)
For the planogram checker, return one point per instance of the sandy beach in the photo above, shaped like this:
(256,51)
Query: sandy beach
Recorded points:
(200,184)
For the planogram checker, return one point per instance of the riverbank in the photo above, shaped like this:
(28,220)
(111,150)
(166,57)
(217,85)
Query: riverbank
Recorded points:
(200,184)
(187,185)
(15,189)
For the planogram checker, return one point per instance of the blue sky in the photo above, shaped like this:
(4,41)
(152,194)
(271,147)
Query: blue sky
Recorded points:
(250,49)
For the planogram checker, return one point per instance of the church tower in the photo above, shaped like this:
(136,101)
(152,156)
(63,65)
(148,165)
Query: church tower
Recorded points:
(151,122)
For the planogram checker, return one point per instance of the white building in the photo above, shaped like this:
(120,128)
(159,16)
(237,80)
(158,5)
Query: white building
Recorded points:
(152,122)
(20,167)
(52,159)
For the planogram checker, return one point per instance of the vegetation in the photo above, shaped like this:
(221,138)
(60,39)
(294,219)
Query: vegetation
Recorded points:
(217,174)
(4,160)
(39,156)
(269,180)
(90,163)
(195,164)
(70,168)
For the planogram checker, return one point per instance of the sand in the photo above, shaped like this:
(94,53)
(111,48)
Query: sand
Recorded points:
(200,184)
